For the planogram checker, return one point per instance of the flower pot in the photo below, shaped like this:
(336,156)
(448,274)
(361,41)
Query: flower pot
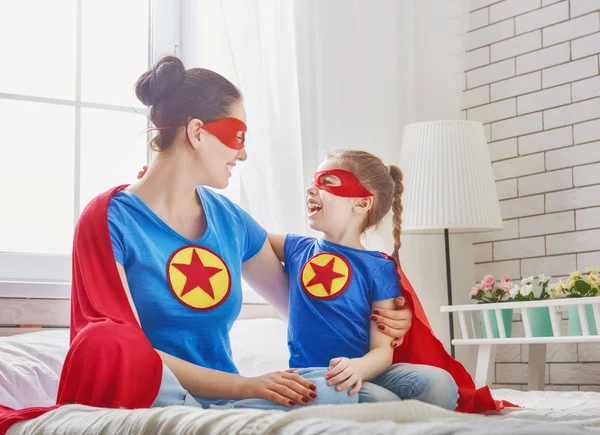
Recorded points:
(541,325)
(506,319)
(575,324)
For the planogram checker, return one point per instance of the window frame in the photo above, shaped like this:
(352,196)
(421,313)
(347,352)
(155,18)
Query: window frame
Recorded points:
(35,275)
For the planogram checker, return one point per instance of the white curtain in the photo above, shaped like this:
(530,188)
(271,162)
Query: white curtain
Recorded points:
(252,42)
(324,74)
(319,75)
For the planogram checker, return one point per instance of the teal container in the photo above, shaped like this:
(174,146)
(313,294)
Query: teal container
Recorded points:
(506,319)
(575,324)
(541,325)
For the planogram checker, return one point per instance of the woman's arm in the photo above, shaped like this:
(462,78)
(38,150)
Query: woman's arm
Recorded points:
(277,242)
(264,272)
(285,388)
(396,322)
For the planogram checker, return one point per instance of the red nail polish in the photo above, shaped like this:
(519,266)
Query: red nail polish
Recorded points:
(373,318)
(376,312)
(292,403)
(313,395)
(394,345)
(313,387)
(381,327)
(305,400)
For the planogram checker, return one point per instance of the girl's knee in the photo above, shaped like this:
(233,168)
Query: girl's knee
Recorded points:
(328,395)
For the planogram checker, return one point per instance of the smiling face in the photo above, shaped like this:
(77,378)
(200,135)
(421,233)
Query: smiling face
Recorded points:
(213,158)
(327,212)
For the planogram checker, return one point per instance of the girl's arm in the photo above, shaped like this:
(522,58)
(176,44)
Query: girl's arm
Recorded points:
(353,372)
(285,388)
(264,272)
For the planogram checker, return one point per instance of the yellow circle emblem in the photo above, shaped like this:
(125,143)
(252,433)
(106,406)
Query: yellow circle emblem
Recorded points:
(326,275)
(198,277)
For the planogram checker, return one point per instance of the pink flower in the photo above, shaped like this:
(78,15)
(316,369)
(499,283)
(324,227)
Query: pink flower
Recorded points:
(505,278)
(474,291)
(488,281)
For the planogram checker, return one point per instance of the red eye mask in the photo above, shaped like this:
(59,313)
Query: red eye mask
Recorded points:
(350,187)
(227,130)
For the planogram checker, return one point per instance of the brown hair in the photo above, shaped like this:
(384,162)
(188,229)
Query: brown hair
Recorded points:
(177,95)
(385,182)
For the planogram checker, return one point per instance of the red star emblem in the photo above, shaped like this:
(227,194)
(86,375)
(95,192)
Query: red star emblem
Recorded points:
(197,275)
(324,275)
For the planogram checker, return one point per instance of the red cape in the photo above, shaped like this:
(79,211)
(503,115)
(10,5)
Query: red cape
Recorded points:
(421,346)
(112,364)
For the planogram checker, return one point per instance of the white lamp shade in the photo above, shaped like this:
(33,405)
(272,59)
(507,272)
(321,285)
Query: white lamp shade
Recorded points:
(448,178)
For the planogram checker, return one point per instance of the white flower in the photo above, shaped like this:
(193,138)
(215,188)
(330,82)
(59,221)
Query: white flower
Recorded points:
(526,289)
(527,281)
(556,291)
(514,291)
(575,275)
(543,279)
(591,270)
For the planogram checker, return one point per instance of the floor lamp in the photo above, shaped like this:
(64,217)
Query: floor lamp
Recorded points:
(448,184)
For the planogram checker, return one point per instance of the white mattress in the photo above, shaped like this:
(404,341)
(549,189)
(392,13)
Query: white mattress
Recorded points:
(30,367)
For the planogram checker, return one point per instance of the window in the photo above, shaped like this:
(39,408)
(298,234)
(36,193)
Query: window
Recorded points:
(72,126)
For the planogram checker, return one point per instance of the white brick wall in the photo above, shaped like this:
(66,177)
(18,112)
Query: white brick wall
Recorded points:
(573,113)
(573,156)
(504,149)
(570,72)
(585,46)
(519,45)
(516,86)
(517,126)
(586,131)
(580,7)
(588,218)
(571,29)
(543,58)
(586,88)
(544,99)
(588,174)
(520,166)
(547,224)
(546,182)
(547,140)
(542,17)
(533,79)
(491,73)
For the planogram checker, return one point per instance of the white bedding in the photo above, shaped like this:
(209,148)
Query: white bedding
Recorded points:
(30,368)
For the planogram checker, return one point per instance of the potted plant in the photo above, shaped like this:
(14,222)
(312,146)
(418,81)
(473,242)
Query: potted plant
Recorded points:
(580,286)
(488,291)
(539,317)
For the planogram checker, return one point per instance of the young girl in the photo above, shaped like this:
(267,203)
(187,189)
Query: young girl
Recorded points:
(335,283)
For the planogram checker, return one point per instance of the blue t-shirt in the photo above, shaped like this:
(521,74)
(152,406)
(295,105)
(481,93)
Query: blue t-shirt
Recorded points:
(187,292)
(332,288)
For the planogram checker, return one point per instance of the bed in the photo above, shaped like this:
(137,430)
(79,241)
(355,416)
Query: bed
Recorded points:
(30,367)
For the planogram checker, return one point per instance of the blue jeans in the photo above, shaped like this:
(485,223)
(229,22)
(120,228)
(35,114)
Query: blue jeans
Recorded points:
(172,393)
(412,381)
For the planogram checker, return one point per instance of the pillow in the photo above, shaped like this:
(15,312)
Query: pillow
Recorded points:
(30,364)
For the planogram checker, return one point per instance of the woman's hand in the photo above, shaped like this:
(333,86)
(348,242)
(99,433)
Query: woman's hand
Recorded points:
(285,388)
(344,373)
(394,323)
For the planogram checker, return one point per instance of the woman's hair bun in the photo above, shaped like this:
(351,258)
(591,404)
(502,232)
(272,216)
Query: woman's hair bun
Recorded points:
(155,84)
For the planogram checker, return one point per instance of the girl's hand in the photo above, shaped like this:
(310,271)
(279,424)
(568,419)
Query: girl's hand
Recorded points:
(394,323)
(142,172)
(344,373)
(285,388)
